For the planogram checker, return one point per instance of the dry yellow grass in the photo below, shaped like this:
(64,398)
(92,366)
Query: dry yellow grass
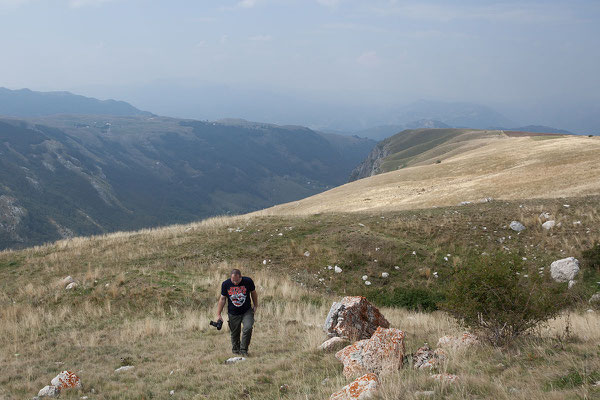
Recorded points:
(500,167)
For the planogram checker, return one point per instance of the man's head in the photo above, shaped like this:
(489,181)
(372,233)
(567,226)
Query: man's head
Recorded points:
(236,276)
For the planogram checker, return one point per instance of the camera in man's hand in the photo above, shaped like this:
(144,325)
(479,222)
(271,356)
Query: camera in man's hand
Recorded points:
(218,324)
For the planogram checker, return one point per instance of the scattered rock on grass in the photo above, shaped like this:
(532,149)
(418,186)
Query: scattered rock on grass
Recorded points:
(594,299)
(385,274)
(382,353)
(337,270)
(71,286)
(564,270)
(124,368)
(235,360)
(446,378)
(465,340)
(355,318)
(334,343)
(307,254)
(67,280)
(548,225)
(426,358)
(517,226)
(365,387)
(49,391)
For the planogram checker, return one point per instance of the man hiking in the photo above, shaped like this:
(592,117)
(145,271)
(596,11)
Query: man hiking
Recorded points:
(238,292)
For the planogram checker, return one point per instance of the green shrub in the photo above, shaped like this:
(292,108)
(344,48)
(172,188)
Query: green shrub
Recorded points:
(591,257)
(420,299)
(501,298)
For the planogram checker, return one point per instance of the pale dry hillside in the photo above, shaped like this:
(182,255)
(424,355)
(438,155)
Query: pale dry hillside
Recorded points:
(497,166)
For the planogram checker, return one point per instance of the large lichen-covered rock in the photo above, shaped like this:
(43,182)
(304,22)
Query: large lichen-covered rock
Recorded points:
(66,380)
(355,318)
(381,353)
(362,388)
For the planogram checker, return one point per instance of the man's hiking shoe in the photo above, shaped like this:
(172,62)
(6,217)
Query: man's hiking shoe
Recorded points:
(237,353)
(244,353)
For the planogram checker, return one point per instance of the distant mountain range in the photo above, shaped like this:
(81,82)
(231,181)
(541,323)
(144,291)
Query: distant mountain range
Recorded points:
(28,103)
(62,176)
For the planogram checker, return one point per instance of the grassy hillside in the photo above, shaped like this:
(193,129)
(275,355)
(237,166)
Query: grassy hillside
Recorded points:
(65,176)
(447,167)
(147,296)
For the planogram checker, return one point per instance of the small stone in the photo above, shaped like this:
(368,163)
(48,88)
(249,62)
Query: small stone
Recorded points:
(548,225)
(124,368)
(49,391)
(368,283)
(595,298)
(172,392)
(571,284)
(385,275)
(333,344)
(446,378)
(338,270)
(71,286)
(396,267)
(235,360)
(67,280)
(264,262)
(307,254)
(517,226)
(325,381)
(284,388)
(365,277)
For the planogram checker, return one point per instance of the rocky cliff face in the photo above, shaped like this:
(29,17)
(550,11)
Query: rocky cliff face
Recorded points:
(370,166)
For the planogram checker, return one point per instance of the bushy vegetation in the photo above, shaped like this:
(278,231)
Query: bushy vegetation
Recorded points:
(417,298)
(502,297)
(591,257)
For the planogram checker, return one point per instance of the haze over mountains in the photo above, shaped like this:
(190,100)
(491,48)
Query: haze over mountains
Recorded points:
(65,175)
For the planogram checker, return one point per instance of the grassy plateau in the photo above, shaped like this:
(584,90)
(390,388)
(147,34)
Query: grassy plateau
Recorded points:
(145,298)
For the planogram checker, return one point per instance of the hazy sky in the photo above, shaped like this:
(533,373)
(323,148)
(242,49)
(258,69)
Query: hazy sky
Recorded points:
(513,53)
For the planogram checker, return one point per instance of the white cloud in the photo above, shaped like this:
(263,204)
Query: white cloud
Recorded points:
(247,3)
(369,59)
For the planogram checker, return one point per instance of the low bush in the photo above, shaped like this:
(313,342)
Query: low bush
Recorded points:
(419,299)
(591,257)
(502,298)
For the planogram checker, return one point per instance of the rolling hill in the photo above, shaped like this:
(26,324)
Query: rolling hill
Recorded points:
(432,168)
(64,176)
(29,103)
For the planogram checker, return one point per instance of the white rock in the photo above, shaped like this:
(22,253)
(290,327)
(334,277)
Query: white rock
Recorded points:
(264,262)
(334,343)
(69,279)
(385,275)
(396,267)
(172,392)
(571,284)
(517,226)
(548,225)
(595,298)
(564,270)
(71,286)
(338,270)
(329,267)
(124,368)
(367,283)
(566,206)
(234,360)
(49,391)
(307,254)
(544,215)
(365,277)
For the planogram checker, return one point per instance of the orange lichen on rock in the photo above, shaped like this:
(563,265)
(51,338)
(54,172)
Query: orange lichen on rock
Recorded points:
(382,353)
(355,318)
(66,380)
(364,387)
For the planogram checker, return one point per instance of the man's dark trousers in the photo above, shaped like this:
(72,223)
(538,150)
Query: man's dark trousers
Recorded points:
(235,326)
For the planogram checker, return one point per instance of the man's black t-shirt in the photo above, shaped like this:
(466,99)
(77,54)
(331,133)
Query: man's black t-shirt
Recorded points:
(238,296)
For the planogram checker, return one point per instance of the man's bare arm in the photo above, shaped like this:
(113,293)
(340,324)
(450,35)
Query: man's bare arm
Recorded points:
(220,306)
(254,296)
